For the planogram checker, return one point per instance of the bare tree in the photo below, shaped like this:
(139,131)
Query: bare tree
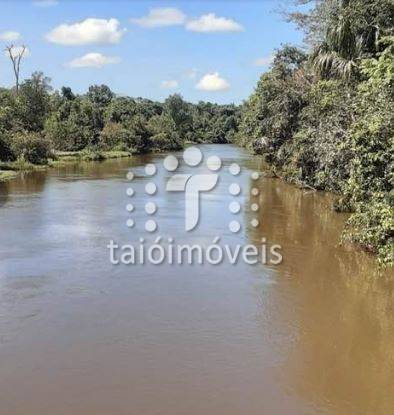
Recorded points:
(16,55)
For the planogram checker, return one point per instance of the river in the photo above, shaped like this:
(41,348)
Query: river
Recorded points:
(81,336)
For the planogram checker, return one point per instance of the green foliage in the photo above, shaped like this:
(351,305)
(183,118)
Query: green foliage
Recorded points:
(164,133)
(115,136)
(5,148)
(7,110)
(372,226)
(30,147)
(368,19)
(71,126)
(7,175)
(214,123)
(99,121)
(32,103)
(98,99)
(100,95)
(121,109)
(326,121)
(179,113)
(140,136)
(92,154)
(319,153)
(369,190)
(342,32)
(270,116)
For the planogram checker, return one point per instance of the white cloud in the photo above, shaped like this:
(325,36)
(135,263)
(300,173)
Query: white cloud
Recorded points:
(171,84)
(160,17)
(212,82)
(45,3)
(93,60)
(9,36)
(264,61)
(16,50)
(89,31)
(211,23)
(171,16)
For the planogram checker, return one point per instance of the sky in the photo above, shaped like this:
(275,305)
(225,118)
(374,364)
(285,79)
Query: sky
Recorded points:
(205,50)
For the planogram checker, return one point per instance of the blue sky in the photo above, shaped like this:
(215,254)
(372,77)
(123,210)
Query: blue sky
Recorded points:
(205,50)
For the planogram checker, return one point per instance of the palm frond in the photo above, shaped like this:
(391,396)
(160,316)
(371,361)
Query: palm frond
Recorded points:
(329,64)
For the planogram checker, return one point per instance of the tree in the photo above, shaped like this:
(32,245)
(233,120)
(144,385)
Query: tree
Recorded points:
(342,32)
(32,104)
(67,93)
(16,54)
(100,95)
(367,16)
(271,115)
(70,127)
(5,149)
(141,136)
(7,110)
(164,135)
(120,110)
(369,190)
(179,110)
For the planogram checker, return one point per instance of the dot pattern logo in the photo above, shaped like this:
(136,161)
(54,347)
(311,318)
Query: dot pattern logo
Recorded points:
(192,185)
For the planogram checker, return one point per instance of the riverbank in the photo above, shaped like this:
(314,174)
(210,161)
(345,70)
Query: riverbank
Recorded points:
(7,175)
(331,134)
(10,170)
(87,155)
(370,224)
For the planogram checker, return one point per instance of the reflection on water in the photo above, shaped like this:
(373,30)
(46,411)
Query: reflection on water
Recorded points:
(79,336)
(3,193)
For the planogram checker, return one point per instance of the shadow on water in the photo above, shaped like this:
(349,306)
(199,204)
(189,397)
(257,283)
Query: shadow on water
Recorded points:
(24,184)
(97,170)
(3,193)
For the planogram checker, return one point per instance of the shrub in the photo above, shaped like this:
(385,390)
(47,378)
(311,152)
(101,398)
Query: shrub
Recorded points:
(164,134)
(139,135)
(31,147)
(5,148)
(92,154)
(71,127)
(166,141)
(372,227)
(320,152)
(114,136)
(273,109)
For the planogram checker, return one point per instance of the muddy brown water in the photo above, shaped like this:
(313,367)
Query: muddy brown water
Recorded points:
(79,336)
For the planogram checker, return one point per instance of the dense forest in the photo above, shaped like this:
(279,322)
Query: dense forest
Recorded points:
(322,117)
(37,123)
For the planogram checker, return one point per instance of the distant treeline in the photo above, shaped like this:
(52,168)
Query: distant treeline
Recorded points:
(324,118)
(34,121)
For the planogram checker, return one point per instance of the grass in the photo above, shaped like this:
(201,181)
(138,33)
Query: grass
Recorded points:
(7,175)
(91,155)
(9,170)
(116,154)
(21,165)
(63,157)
